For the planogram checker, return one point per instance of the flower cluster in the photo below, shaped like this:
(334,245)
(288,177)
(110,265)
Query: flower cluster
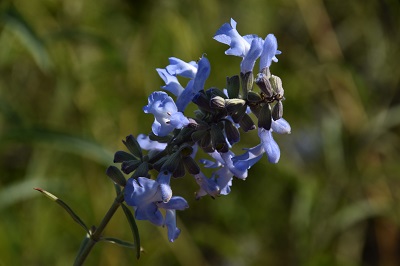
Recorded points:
(220,118)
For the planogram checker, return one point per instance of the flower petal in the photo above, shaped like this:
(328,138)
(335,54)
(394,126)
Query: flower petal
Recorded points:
(270,49)
(181,68)
(270,146)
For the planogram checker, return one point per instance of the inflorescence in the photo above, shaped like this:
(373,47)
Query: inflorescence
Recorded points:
(221,115)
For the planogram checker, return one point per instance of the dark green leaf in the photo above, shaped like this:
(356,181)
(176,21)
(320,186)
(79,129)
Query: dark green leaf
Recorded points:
(73,215)
(118,242)
(134,229)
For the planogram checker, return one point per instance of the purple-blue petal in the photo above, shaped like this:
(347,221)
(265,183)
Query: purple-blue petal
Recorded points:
(228,34)
(149,212)
(281,126)
(175,203)
(171,82)
(178,120)
(181,68)
(253,54)
(270,49)
(270,146)
(163,180)
(170,222)
(147,144)
(141,191)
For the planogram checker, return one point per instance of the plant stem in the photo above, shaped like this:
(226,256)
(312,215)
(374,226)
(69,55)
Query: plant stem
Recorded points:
(95,236)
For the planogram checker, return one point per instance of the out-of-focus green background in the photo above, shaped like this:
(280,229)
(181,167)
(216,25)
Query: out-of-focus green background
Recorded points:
(74,76)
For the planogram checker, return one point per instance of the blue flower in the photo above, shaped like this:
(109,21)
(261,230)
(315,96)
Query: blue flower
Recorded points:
(171,82)
(196,72)
(269,52)
(146,197)
(249,47)
(167,117)
(195,85)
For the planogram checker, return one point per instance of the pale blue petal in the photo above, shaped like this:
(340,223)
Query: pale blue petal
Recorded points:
(281,126)
(178,120)
(171,82)
(149,212)
(170,222)
(163,180)
(147,144)
(253,54)
(228,34)
(141,191)
(181,68)
(270,49)
(175,203)
(270,146)
(207,185)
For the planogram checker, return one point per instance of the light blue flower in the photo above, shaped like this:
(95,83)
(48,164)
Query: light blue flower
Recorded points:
(178,67)
(167,117)
(249,47)
(196,72)
(195,85)
(145,196)
(269,52)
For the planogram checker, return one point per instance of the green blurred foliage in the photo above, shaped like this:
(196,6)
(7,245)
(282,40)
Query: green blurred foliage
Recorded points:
(74,76)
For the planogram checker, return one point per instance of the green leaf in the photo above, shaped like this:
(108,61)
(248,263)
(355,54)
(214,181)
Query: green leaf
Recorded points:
(119,242)
(134,229)
(133,146)
(73,215)
(115,174)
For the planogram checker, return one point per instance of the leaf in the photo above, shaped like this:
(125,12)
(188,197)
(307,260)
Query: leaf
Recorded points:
(134,229)
(73,215)
(119,242)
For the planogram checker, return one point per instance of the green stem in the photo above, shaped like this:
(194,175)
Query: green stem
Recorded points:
(95,236)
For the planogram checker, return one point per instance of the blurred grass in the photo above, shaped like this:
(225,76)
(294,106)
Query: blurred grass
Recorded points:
(74,76)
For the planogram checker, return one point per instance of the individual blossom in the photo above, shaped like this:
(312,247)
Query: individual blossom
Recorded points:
(146,197)
(166,114)
(249,47)
(196,72)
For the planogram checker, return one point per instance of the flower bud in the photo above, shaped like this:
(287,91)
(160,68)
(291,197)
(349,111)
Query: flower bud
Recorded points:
(217,102)
(277,110)
(264,84)
(234,105)
(276,84)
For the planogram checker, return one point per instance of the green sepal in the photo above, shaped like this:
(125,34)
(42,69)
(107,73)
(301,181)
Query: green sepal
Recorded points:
(265,119)
(134,229)
(232,132)
(163,139)
(129,166)
(73,215)
(233,86)
(115,174)
(191,165)
(218,139)
(133,146)
(277,111)
(121,156)
(172,163)
(198,135)
(213,92)
(253,97)
(246,123)
(142,170)
(180,170)
(247,80)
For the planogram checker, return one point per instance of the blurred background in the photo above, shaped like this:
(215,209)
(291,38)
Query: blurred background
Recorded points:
(74,76)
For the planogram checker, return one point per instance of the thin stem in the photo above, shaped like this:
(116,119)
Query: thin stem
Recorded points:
(95,236)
